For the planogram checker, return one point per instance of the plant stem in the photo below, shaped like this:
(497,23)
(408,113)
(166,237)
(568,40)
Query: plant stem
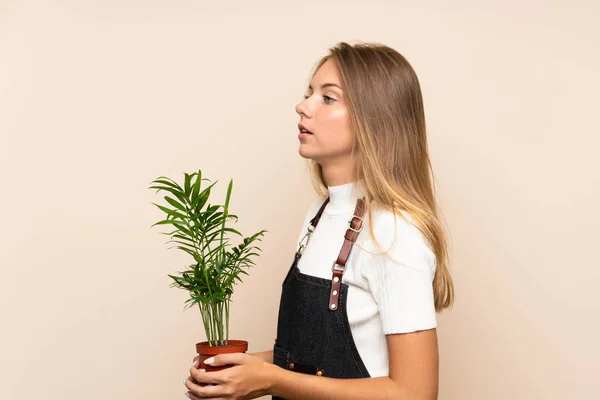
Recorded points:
(220,319)
(227,318)
(205,320)
(213,323)
(221,338)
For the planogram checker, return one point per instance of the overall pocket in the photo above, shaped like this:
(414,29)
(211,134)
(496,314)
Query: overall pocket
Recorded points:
(281,357)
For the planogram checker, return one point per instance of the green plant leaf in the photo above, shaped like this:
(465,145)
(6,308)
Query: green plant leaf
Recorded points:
(201,199)
(171,190)
(187,184)
(175,204)
(169,182)
(232,231)
(190,252)
(183,229)
(197,184)
(163,222)
(228,197)
(186,245)
(171,212)
(186,238)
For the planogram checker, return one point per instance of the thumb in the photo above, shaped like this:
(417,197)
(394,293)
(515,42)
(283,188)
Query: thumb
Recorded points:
(226,359)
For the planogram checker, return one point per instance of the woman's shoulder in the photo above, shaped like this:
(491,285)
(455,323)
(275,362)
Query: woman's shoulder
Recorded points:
(387,223)
(396,235)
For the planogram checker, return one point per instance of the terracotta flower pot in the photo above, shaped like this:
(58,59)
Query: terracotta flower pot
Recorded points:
(205,351)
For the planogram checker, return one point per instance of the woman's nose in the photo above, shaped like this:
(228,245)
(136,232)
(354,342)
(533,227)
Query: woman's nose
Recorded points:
(302,108)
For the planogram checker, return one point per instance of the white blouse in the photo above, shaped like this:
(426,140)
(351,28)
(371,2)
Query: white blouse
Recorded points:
(388,293)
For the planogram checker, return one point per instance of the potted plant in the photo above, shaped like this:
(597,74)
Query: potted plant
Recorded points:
(201,230)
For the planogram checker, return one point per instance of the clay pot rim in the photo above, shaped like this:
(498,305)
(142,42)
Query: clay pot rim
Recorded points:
(230,343)
(238,346)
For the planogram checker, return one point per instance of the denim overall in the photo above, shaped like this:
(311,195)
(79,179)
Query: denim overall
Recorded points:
(313,333)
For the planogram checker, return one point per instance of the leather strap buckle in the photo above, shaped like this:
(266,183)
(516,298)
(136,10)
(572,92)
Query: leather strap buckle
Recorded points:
(350,224)
(333,268)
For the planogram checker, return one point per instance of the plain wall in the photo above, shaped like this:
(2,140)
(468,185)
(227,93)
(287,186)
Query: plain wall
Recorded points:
(98,98)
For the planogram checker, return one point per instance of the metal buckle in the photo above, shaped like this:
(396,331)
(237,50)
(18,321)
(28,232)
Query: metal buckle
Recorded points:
(350,224)
(333,268)
(304,241)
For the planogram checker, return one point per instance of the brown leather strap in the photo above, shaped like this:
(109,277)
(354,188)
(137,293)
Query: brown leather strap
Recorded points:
(355,225)
(317,217)
(311,227)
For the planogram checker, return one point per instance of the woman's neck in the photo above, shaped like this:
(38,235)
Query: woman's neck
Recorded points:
(338,174)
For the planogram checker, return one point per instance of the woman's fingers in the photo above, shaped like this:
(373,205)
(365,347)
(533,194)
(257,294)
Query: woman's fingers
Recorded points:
(203,391)
(199,376)
(228,359)
(204,385)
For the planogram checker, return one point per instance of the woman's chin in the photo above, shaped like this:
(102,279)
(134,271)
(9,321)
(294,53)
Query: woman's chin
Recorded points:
(305,153)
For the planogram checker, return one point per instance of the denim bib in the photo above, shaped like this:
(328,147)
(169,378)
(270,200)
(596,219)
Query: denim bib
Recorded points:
(313,333)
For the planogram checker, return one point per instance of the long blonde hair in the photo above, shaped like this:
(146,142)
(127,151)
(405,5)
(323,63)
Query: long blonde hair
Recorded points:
(386,111)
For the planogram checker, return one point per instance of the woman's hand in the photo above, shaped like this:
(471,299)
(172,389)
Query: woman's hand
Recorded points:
(248,378)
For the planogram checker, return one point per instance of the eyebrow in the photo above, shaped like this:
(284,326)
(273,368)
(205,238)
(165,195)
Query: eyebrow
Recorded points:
(323,86)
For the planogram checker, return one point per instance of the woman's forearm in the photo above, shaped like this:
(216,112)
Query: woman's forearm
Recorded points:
(296,386)
(266,356)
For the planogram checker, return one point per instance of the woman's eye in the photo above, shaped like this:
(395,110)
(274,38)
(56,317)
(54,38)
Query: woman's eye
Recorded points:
(328,100)
(305,97)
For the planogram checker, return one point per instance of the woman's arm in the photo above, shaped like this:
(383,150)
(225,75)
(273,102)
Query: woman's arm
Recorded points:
(413,374)
(266,356)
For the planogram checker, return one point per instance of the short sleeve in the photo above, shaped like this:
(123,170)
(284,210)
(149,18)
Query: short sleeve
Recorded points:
(401,281)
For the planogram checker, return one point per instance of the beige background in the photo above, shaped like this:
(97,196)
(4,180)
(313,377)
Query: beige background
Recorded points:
(97,98)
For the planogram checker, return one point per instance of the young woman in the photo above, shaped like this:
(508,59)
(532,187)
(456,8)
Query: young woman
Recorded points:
(357,317)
